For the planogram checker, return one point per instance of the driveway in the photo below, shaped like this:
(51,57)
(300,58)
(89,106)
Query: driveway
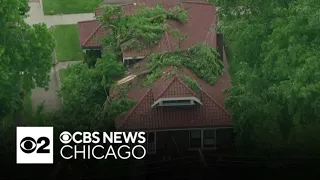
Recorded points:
(49,98)
(51,101)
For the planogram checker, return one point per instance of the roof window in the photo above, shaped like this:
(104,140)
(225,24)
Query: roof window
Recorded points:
(181,101)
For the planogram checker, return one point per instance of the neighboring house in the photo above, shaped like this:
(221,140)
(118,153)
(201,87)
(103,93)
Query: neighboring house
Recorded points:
(177,119)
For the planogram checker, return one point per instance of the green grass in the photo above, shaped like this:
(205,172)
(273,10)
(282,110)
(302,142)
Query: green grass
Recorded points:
(52,7)
(63,73)
(67,43)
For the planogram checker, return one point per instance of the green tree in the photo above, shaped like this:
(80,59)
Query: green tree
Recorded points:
(25,56)
(273,49)
(85,93)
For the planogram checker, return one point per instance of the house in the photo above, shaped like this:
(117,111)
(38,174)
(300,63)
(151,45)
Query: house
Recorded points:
(178,120)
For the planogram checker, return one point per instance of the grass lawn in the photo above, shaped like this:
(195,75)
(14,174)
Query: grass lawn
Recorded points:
(62,74)
(67,43)
(51,7)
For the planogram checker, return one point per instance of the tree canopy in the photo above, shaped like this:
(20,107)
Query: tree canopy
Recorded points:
(25,55)
(25,62)
(273,49)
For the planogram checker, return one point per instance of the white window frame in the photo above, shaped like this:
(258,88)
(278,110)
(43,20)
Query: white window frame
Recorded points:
(155,143)
(202,139)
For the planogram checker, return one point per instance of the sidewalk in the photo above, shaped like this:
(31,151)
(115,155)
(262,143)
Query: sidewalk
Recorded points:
(36,15)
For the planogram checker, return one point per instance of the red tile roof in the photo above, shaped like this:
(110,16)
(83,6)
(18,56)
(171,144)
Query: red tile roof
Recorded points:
(199,27)
(215,91)
(211,114)
(91,34)
(143,116)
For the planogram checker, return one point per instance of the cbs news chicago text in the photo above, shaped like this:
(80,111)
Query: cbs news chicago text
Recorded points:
(35,145)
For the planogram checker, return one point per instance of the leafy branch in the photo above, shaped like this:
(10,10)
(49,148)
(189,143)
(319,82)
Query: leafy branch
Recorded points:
(201,59)
(142,29)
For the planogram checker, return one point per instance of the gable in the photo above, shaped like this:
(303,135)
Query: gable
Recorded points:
(176,89)
(206,113)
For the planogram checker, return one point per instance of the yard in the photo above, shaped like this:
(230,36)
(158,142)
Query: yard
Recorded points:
(52,7)
(67,43)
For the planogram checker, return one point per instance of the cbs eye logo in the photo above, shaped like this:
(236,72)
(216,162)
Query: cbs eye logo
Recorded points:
(65,137)
(29,145)
(34,145)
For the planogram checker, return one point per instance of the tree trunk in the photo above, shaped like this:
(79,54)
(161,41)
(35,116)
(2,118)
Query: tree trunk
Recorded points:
(19,112)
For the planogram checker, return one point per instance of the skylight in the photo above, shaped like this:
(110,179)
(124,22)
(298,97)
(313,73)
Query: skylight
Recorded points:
(181,101)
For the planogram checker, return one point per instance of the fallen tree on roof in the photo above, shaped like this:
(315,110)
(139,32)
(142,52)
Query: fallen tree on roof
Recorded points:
(139,30)
(201,59)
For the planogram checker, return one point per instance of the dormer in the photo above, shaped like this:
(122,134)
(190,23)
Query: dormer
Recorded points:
(180,101)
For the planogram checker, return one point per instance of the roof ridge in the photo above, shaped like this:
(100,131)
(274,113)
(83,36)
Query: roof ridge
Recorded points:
(216,102)
(132,109)
(85,42)
(166,87)
(209,32)
(176,77)
(186,86)
(167,41)
(207,93)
